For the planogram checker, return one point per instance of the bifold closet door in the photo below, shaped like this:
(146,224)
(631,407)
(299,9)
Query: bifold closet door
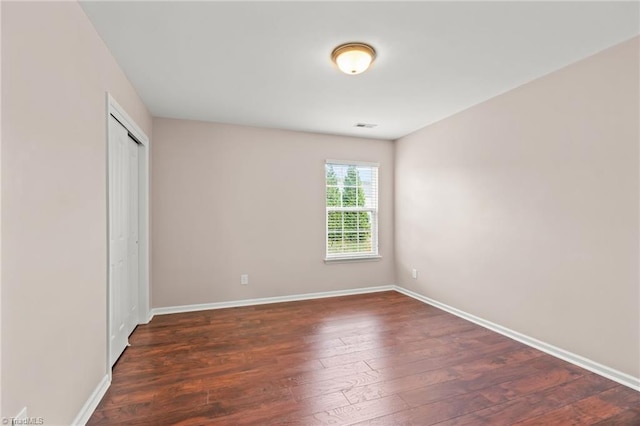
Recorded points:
(123,237)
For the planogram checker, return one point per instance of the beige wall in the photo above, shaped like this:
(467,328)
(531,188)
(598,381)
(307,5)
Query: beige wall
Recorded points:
(55,72)
(228,200)
(523,210)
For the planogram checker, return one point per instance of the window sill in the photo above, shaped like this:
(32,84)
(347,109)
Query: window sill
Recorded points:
(350,259)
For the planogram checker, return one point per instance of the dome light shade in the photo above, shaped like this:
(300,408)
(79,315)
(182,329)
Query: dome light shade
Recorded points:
(353,58)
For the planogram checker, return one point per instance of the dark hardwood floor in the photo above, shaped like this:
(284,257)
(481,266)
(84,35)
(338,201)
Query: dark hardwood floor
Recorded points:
(375,359)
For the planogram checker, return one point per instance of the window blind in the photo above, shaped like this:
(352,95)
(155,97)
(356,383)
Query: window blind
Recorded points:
(351,209)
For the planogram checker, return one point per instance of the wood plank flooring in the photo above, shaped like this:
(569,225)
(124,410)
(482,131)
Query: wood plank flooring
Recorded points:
(374,359)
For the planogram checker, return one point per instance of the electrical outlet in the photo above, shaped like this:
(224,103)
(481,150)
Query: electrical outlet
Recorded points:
(414,274)
(244,279)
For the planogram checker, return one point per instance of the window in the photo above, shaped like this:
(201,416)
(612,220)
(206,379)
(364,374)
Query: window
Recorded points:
(352,210)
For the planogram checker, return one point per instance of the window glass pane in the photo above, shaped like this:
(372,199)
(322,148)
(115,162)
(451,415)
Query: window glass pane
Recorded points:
(334,198)
(350,192)
(334,221)
(335,243)
(364,221)
(364,241)
(368,194)
(350,221)
(350,242)
(333,188)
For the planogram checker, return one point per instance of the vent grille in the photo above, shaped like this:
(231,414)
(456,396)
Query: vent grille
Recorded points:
(365,125)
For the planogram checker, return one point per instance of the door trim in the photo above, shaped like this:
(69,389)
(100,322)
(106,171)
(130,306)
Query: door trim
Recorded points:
(114,109)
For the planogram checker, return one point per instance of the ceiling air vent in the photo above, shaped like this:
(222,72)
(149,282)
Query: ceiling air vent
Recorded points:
(365,125)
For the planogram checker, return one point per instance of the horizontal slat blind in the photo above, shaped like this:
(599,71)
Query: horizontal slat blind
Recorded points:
(351,209)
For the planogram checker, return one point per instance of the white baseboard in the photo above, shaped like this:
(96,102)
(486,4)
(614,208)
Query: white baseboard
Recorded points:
(267,300)
(92,403)
(580,361)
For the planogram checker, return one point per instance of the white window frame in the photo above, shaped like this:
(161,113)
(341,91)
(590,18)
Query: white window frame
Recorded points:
(355,256)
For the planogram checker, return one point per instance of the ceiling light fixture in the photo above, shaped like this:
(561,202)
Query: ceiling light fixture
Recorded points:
(353,58)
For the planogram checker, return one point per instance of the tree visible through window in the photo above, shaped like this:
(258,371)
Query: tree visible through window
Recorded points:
(352,208)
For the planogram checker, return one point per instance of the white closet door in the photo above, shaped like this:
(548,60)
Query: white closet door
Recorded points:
(123,237)
(132,299)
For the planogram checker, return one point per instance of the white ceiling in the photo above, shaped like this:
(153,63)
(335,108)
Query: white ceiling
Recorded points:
(268,64)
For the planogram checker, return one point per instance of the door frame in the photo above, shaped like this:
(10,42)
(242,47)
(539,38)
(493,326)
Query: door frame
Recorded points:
(114,109)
